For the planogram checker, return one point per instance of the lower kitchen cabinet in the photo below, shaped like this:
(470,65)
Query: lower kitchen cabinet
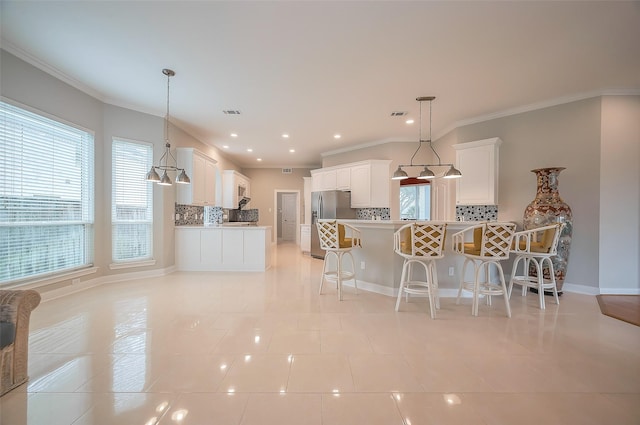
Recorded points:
(305,237)
(201,248)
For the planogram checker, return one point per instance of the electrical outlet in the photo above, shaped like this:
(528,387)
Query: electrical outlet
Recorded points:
(451,271)
(362,265)
(75,281)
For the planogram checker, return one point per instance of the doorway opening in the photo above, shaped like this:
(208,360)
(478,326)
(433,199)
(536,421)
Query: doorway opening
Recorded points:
(287,216)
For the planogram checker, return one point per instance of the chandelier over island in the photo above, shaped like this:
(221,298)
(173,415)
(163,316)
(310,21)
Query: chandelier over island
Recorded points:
(426,173)
(167,160)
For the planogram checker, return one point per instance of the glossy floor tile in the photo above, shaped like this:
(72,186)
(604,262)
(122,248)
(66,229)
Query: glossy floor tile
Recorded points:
(265,348)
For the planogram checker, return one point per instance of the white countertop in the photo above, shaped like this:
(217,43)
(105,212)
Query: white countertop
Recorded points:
(399,223)
(218,227)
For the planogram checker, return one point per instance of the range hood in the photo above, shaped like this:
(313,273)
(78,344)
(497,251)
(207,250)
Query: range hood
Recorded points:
(243,201)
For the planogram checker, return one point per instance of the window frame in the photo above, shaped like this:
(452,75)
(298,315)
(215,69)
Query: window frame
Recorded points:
(414,183)
(148,258)
(23,126)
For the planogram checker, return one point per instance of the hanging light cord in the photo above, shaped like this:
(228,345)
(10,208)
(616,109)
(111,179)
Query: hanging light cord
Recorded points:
(167,153)
(421,140)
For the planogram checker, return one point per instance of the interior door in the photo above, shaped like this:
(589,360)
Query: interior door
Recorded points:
(289,219)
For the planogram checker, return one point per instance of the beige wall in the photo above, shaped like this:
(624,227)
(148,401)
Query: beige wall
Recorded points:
(28,86)
(567,136)
(400,154)
(582,136)
(620,195)
(264,184)
(596,139)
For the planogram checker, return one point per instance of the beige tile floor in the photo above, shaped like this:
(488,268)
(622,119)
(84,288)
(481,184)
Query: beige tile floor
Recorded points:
(265,348)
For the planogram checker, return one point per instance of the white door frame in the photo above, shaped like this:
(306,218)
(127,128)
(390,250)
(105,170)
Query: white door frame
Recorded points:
(274,235)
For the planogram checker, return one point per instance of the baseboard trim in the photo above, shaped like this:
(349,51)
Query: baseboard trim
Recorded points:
(73,288)
(453,292)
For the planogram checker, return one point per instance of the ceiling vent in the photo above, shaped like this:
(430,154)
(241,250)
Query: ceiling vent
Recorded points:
(398,113)
(287,170)
(231,112)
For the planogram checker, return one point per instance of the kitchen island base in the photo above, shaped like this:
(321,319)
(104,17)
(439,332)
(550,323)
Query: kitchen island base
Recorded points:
(220,248)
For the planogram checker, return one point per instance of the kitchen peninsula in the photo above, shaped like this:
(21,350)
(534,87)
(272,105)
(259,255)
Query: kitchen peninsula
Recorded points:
(378,268)
(223,248)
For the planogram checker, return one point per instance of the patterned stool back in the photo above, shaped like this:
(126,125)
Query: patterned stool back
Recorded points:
(420,240)
(496,240)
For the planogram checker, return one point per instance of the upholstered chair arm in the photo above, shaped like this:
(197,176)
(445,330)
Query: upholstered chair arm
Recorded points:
(458,238)
(539,240)
(17,306)
(349,236)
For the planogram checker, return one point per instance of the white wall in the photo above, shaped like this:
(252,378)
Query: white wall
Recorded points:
(619,252)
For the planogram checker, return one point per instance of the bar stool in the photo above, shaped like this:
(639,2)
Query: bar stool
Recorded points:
(534,249)
(334,241)
(490,246)
(420,243)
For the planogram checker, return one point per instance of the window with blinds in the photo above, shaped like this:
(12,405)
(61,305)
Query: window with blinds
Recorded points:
(131,201)
(46,196)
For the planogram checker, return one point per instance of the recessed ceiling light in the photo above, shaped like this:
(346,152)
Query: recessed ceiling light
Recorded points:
(292,150)
(336,136)
(259,159)
(409,121)
(285,135)
(234,135)
(225,146)
(249,150)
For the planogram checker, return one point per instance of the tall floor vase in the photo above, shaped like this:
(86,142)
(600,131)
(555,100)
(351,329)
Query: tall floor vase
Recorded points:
(548,208)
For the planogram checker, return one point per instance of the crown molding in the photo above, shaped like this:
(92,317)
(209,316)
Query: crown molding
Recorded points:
(500,114)
(45,67)
(542,105)
(362,146)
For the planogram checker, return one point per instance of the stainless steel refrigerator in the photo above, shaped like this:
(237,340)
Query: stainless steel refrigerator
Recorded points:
(326,205)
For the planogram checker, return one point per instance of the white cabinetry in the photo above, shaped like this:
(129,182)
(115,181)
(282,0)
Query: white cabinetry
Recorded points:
(307,199)
(478,161)
(370,184)
(223,249)
(234,186)
(368,181)
(305,237)
(343,178)
(324,179)
(202,172)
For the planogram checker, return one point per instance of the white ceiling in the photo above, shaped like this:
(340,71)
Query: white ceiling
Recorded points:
(315,68)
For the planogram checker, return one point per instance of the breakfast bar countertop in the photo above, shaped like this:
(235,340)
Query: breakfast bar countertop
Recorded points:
(380,268)
(399,223)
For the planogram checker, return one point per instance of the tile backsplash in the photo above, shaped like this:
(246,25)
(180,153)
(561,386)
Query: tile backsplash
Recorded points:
(193,215)
(372,213)
(476,212)
(213,215)
(244,215)
(189,215)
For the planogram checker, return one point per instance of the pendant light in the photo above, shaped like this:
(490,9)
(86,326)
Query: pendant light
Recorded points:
(167,161)
(426,173)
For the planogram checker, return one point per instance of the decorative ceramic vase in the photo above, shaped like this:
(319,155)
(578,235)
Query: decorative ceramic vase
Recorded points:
(548,208)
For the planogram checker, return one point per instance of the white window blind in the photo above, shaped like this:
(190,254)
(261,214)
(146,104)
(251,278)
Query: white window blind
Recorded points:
(131,201)
(46,196)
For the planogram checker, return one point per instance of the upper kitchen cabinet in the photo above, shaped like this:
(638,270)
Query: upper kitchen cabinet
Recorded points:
(370,184)
(235,187)
(478,161)
(324,179)
(202,171)
(343,178)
